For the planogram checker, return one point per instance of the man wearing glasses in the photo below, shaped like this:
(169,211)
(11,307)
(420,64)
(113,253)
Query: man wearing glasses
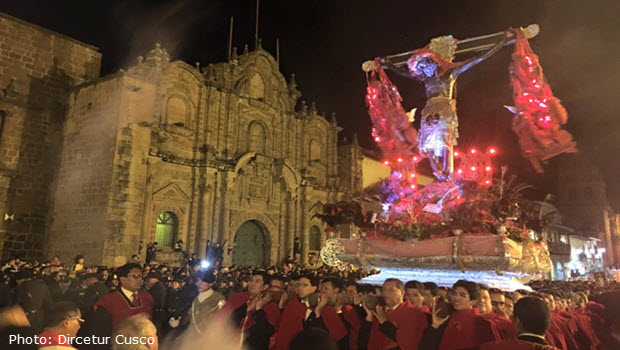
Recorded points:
(63,322)
(487,307)
(116,307)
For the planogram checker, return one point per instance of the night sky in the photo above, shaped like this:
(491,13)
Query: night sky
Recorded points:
(324,42)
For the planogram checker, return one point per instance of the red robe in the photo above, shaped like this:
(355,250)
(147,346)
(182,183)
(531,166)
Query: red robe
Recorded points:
(293,319)
(555,335)
(466,330)
(580,324)
(596,312)
(350,315)
(410,324)
(504,326)
(233,303)
(121,308)
(514,344)
(272,311)
(567,328)
(292,323)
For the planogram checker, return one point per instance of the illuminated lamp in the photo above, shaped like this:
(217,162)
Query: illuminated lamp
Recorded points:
(400,160)
(412,186)
(460,171)
(386,162)
(473,168)
(472,151)
(377,139)
(492,150)
(488,168)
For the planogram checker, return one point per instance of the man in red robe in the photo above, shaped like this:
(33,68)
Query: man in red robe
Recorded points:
(397,325)
(485,306)
(254,312)
(296,311)
(531,319)
(328,315)
(116,307)
(464,328)
(414,293)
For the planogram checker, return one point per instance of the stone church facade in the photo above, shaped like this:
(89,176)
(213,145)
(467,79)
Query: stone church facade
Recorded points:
(166,151)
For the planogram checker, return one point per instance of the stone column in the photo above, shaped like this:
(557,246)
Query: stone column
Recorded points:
(303,229)
(225,234)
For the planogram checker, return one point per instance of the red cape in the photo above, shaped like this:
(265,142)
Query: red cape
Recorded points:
(350,315)
(410,324)
(292,323)
(504,326)
(466,329)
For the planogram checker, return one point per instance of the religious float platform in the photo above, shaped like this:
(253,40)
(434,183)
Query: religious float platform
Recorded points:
(429,234)
(485,258)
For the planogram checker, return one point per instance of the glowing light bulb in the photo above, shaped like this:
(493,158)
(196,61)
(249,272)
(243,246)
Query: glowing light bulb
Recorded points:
(460,171)
(492,151)
(473,168)
(400,160)
(415,159)
(472,151)
(456,154)
(412,186)
(386,162)
(412,175)
(487,182)
(488,168)
(377,139)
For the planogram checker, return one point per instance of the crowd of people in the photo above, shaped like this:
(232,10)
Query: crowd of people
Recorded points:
(290,307)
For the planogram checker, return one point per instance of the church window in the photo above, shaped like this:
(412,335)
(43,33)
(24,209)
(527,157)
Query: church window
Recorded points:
(257,87)
(176,111)
(315,150)
(257,138)
(167,229)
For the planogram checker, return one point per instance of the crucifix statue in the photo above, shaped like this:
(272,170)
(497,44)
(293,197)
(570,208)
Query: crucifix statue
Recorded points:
(433,66)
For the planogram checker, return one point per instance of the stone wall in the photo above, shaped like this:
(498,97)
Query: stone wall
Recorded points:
(38,68)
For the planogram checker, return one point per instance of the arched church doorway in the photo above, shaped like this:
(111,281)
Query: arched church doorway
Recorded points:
(252,245)
(167,229)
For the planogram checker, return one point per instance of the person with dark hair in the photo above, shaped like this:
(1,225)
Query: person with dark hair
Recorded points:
(33,296)
(414,292)
(326,315)
(313,338)
(297,310)
(531,319)
(560,327)
(486,308)
(277,283)
(204,306)
(431,293)
(78,265)
(464,328)
(119,305)
(94,291)
(254,312)
(62,321)
(157,289)
(395,324)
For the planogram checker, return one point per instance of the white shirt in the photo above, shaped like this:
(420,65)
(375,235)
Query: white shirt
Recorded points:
(204,295)
(128,294)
